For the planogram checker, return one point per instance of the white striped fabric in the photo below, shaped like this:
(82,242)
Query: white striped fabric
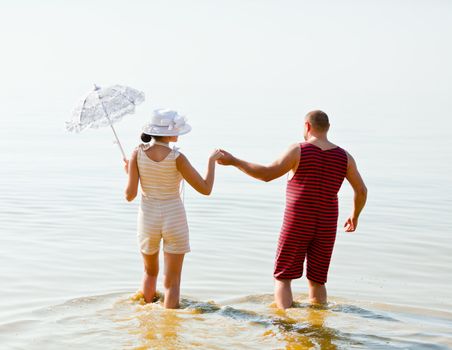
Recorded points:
(162,213)
(159,180)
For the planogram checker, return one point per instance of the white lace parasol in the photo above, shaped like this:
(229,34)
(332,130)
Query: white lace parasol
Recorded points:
(103,107)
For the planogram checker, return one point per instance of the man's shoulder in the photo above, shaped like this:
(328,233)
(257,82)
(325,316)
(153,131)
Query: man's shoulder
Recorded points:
(292,153)
(295,145)
(346,152)
(294,149)
(338,147)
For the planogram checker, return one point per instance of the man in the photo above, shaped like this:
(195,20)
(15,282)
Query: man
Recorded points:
(318,168)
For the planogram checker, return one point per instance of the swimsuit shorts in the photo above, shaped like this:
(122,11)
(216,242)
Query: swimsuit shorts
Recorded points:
(162,219)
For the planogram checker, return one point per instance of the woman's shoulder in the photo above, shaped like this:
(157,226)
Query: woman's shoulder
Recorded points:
(138,150)
(143,146)
(135,151)
(176,152)
(178,155)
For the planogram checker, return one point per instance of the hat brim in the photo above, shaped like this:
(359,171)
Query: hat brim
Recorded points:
(163,131)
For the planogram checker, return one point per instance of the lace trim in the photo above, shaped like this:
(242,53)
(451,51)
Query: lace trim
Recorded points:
(103,107)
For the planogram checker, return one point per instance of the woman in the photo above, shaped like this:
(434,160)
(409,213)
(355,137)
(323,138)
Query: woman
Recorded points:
(160,170)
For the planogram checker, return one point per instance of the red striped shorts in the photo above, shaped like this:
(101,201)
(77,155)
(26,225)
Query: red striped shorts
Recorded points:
(308,239)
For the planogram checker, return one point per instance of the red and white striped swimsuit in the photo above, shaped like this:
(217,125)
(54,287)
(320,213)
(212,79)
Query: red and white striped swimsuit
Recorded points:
(310,218)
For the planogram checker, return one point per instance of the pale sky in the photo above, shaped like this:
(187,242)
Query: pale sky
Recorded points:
(241,57)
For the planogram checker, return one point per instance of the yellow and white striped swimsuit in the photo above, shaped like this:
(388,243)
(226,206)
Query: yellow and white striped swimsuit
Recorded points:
(161,213)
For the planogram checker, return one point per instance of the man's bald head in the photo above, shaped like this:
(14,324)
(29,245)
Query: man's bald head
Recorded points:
(319,121)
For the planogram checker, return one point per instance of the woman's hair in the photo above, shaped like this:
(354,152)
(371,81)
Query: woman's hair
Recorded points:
(147,138)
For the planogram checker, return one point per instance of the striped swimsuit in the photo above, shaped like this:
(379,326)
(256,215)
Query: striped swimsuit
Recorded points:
(161,214)
(310,217)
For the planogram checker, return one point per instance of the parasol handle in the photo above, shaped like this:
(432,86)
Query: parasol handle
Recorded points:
(96,88)
(119,143)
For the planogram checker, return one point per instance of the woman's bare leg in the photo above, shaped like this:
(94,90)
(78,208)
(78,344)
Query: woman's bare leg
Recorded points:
(171,279)
(151,271)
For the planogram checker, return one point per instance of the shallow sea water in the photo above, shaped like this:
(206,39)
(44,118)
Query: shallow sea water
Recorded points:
(124,321)
(70,266)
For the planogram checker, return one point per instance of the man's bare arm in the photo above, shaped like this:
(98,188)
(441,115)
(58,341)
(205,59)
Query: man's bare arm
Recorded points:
(287,161)
(360,194)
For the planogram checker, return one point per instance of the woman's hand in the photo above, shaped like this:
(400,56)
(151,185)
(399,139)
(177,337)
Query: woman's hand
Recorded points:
(216,154)
(126,166)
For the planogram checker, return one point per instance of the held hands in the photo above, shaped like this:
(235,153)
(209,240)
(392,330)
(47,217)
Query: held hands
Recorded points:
(226,158)
(216,154)
(351,224)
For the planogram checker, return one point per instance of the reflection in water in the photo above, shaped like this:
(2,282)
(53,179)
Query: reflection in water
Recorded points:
(157,328)
(298,328)
(304,328)
(254,323)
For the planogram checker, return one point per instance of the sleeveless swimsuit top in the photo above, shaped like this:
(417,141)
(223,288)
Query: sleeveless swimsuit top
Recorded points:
(318,177)
(159,180)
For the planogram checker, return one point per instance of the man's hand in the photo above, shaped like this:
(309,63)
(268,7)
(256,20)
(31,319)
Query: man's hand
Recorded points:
(226,158)
(351,224)
(360,194)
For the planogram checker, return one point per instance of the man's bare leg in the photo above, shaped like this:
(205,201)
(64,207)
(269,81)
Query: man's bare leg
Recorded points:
(283,293)
(317,293)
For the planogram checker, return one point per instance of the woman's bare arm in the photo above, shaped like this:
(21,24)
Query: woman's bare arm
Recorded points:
(133,177)
(189,173)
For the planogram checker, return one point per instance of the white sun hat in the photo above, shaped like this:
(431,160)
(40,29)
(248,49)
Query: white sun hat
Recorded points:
(166,122)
